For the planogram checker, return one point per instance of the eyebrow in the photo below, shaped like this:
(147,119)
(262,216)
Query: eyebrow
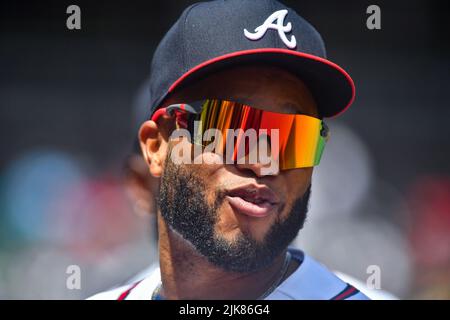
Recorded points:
(287,107)
(290,107)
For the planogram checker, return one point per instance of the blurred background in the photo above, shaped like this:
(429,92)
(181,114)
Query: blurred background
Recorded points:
(71,102)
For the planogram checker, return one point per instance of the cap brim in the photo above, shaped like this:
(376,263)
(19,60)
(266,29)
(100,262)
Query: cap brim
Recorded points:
(330,85)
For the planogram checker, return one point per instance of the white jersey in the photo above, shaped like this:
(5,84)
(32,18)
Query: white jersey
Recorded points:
(311,281)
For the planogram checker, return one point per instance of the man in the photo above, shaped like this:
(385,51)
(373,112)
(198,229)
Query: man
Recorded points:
(140,186)
(225,220)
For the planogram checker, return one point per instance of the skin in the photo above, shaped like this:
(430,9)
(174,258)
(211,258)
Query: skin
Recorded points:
(186,274)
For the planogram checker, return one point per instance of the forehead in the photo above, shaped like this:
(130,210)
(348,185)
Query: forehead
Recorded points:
(267,87)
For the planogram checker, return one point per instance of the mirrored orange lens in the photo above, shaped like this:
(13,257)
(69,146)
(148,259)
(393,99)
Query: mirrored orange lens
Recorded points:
(300,143)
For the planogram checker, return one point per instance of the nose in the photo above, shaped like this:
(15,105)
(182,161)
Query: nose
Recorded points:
(271,168)
(260,170)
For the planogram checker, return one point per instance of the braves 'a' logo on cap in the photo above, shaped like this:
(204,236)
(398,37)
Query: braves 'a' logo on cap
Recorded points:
(277,16)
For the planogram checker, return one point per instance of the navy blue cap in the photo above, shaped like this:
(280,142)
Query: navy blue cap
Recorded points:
(217,34)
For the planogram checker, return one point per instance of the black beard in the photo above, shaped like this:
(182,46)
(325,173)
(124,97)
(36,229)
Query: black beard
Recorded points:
(185,209)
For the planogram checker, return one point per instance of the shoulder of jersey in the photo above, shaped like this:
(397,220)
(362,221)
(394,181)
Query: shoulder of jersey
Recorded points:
(313,281)
(137,290)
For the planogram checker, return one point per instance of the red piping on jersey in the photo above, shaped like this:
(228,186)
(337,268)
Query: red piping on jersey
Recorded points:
(125,294)
(346,293)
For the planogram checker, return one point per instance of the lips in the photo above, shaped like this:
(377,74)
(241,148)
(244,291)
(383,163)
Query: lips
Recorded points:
(253,200)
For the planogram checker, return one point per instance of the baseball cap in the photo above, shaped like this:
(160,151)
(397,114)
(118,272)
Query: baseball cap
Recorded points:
(213,35)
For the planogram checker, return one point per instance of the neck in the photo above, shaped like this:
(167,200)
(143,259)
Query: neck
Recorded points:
(185,274)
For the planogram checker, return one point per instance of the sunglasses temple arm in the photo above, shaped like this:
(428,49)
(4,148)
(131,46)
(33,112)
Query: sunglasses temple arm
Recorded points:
(170,110)
(158,113)
(325,131)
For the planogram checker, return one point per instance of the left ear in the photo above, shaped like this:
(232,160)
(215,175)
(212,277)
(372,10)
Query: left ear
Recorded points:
(154,140)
